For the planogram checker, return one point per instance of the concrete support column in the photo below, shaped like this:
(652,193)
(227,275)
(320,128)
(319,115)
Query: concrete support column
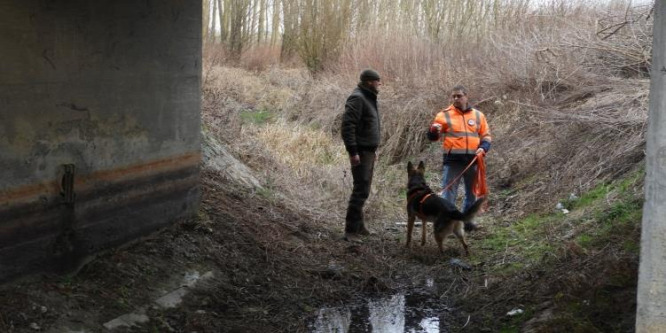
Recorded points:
(99,126)
(651,310)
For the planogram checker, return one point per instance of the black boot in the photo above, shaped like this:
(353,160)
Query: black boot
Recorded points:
(353,220)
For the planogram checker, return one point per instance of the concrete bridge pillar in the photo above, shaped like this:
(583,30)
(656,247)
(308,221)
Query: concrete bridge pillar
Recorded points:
(99,125)
(651,309)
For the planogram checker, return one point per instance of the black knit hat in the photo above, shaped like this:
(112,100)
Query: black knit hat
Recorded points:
(369,75)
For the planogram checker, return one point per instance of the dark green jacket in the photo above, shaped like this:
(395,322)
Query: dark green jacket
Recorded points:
(360,122)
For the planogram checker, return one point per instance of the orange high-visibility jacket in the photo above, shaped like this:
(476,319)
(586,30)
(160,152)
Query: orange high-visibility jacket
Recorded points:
(462,131)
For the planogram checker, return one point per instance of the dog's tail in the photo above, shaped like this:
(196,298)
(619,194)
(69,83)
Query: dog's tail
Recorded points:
(469,214)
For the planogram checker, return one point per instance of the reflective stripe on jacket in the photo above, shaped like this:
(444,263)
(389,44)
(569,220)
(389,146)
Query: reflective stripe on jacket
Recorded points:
(462,131)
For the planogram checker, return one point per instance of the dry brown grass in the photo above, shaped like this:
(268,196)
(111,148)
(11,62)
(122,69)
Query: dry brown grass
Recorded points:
(564,117)
(260,57)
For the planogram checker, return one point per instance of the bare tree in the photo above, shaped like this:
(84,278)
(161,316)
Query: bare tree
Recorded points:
(324,25)
(238,17)
(290,33)
(252,23)
(275,24)
(261,21)
(316,29)
(205,13)
(213,24)
(224,24)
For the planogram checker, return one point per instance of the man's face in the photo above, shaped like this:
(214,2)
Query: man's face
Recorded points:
(459,99)
(374,84)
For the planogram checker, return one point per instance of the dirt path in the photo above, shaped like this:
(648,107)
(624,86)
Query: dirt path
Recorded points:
(265,266)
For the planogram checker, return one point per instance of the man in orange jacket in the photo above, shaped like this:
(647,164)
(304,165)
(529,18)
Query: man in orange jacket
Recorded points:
(464,132)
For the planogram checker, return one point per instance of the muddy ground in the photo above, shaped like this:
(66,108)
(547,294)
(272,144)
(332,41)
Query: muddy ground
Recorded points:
(272,269)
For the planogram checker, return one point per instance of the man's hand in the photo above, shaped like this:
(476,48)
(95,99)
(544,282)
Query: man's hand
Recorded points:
(356,160)
(481,152)
(436,128)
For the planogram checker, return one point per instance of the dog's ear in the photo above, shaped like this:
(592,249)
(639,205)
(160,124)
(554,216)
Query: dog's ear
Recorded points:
(410,168)
(421,167)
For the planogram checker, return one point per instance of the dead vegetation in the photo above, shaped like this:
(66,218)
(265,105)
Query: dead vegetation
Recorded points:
(566,119)
(565,92)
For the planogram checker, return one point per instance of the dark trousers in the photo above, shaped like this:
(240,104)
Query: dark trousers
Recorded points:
(362,175)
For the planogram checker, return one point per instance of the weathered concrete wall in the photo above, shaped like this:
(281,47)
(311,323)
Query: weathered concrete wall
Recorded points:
(651,309)
(111,87)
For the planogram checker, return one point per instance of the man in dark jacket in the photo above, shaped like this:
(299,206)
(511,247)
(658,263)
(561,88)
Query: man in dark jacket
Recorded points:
(361,135)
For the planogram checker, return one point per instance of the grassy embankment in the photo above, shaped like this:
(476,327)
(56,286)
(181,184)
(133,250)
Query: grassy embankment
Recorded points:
(567,103)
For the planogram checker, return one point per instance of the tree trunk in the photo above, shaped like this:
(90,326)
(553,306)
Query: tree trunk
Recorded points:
(205,19)
(289,13)
(223,21)
(213,25)
(276,22)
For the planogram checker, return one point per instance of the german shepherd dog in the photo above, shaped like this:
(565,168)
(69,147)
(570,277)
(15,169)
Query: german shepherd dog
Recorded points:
(425,204)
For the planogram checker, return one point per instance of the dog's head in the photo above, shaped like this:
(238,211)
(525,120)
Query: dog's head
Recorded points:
(416,176)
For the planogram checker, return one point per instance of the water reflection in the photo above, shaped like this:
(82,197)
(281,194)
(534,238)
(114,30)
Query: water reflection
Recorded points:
(332,320)
(428,325)
(387,315)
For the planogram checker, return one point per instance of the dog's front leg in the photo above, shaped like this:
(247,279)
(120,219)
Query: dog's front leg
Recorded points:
(410,226)
(423,231)
(439,238)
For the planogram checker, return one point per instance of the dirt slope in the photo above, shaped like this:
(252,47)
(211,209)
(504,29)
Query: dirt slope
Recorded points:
(272,269)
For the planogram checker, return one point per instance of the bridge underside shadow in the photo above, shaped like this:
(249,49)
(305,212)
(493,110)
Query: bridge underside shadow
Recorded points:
(99,126)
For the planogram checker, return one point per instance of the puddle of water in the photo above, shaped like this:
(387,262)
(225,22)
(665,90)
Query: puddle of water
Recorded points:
(429,325)
(387,315)
(332,320)
(395,314)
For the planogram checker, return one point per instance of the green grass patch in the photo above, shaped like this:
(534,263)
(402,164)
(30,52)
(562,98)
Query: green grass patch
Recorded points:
(503,194)
(514,323)
(585,240)
(623,188)
(612,223)
(631,246)
(604,220)
(616,223)
(587,199)
(622,212)
(509,269)
(525,237)
(257,117)
(528,238)
(267,193)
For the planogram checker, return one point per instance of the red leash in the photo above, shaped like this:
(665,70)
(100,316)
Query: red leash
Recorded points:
(479,187)
(460,175)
